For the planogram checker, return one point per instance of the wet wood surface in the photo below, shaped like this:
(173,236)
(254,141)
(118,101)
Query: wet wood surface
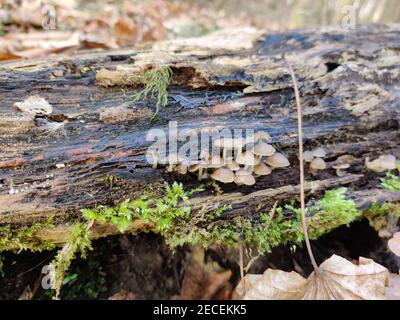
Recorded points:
(349,84)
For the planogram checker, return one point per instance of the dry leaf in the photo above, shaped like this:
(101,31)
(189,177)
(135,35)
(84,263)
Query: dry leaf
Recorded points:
(123,294)
(393,290)
(338,279)
(205,280)
(394,244)
(34,105)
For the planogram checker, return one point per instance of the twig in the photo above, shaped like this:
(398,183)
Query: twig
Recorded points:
(300,136)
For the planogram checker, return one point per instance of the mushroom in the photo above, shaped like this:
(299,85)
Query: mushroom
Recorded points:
(307,156)
(243,176)
(224,175)
(340,168)
(181,168)
(318,164)
(262,135)
(318,152)
(233,166)
(248,159)
(383,163)
(228,144)
(262,169)
(154,154)
(215,162)
(277,160)
(263,149)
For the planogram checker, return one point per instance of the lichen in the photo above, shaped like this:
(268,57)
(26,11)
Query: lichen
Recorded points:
(24,237)
(155,82)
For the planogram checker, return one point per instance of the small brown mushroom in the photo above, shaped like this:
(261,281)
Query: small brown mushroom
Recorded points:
(318,164)
(262,136)
(383,163)
(247,158)
(215,162)
(245,177)
(233,166)
(278,160)
(318,152)
(181,168)
(224,175)
(340,168)
(307,156)
(262,169)
(263,149)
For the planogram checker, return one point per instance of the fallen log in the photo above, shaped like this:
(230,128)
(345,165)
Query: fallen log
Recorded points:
(348,80)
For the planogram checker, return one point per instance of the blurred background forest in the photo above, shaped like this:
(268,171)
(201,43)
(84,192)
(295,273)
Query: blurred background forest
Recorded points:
(36,28)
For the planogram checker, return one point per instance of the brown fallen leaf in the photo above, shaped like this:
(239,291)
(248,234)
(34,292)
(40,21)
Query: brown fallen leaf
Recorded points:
(392,292)
(394,244)
(337,279)
(123,294)
(205,280)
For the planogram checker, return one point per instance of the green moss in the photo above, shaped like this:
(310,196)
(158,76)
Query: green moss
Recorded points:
(77,242)
(155,82)
(380,215)
(24,237)
(391,182)
(330,212)
(171,217)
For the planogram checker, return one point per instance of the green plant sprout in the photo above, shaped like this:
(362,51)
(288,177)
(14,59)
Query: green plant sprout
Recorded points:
(155,82)
(391,182)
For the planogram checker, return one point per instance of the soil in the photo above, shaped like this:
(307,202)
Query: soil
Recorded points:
(145,267)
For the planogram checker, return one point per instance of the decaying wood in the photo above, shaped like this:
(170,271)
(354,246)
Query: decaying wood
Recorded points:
(349,85)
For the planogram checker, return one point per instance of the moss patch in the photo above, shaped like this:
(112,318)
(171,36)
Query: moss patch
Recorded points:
(77,243)
(391,182)
(155,82)
(23,238)
(179,227)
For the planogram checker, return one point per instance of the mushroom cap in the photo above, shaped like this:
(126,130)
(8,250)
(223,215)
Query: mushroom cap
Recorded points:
(247,158)
(233,166)
(215,162)
(384,162)
(242,172)
(262,135)
(224,175)
(318,152)
(388,161)
(342,165)
(246,179)
(318,164)
(262,169)
(307,156)
(181,168)
(263,149)
(277,160)
(194,167)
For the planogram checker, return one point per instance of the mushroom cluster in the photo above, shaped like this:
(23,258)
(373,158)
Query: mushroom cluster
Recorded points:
(240,161)
(315,158)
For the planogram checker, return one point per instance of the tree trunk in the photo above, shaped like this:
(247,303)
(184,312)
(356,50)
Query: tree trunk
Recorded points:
(349,84)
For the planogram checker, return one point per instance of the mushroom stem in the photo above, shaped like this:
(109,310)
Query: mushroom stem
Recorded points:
(154,156)
(200,174)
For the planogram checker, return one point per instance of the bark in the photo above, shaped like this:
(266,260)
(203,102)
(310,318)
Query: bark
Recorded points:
(349,82)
